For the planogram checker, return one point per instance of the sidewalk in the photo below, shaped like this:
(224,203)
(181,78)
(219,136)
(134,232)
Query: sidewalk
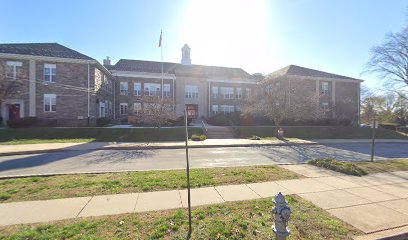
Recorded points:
(371,203)
(6,150)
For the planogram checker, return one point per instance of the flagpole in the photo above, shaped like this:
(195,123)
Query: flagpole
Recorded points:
(161,53)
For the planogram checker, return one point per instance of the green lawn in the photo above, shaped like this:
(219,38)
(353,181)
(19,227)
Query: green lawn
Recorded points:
(233,220)
(317,132)
(36,188)
(43,135)
(362,168)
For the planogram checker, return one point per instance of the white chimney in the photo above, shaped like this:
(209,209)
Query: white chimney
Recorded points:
(185,58)
(107,61)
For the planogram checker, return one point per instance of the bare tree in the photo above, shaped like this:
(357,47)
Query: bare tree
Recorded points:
(280,101)
(389,61)
(156,111)
(8,85)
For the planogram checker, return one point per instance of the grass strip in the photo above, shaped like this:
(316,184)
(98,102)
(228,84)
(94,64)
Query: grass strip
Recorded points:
(233,220)
(79,185)
(339,166)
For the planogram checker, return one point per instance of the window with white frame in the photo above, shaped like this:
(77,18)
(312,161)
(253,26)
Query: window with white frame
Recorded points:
(137,108)
(137,89)
(13,69)
(191,91)
(227,108)
(123,109)
(248,92)
(238,92)
(325,88)
(166,90)
(227,92)
(152,89)
(214,109)
(325,108)
(50,102)
(214,93)
(124,88)
(50,73)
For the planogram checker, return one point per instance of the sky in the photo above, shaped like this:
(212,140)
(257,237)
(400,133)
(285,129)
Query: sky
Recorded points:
(260,36)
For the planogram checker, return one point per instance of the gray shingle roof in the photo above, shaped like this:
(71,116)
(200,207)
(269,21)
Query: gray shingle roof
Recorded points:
(293,70)
(177,68)
(42,49)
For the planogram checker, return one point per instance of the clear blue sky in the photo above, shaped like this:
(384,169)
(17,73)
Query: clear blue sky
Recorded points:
(259,36)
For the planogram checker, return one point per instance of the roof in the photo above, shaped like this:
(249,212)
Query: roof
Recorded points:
(42,49)
(293,70)
(177,68)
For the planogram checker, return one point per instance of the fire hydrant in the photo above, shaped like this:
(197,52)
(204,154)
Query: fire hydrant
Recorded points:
(281,213)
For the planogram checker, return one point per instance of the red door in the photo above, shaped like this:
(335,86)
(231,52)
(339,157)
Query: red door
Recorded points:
(14,111)
(192,111)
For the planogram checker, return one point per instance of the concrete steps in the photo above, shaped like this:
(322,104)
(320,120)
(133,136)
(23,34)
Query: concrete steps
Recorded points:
(220,132)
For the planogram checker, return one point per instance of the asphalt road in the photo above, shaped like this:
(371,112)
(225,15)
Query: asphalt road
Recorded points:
(129,160)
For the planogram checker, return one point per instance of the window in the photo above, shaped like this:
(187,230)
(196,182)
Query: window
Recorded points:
(124,88)
(325,88)
(50,103)
(107,84)
(13,69)
(137,108)
(191,91)
(152,89)
(137,89)
(214,109)
(123,109)
(325,108)
(238,92)
(238,108)
(228,92)
(50,72)
(248,92)
(227,108)
(214,92)
(166,90)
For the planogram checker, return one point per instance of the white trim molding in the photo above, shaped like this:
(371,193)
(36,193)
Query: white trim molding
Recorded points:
(143,75)
(247,81)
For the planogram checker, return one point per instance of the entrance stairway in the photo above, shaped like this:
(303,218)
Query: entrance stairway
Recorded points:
(219,132)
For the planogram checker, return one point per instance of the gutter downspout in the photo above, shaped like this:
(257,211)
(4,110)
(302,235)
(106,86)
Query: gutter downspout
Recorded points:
(114,99)
(89,91)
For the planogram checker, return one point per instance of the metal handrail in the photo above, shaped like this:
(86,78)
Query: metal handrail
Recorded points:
(203,127)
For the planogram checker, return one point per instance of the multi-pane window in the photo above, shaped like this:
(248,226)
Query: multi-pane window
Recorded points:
(50,102)
(214,92)
(227,108)
(191,91)
(50,73)
(238,92)
(325,88)
(107,84)
(325,108)
(137,108)
(137,89)
(228,92)
(248,92)
(123,109)
(214,109)
(13,69)
(166,90)
(124,88)
(152,89)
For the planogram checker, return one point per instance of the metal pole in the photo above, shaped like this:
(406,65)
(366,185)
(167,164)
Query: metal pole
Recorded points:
(188,175)
(373,141)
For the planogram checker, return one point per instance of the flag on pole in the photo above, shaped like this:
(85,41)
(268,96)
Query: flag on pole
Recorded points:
(161,37)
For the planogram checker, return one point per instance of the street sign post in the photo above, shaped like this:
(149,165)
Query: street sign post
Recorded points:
(188,175)
(374,126)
